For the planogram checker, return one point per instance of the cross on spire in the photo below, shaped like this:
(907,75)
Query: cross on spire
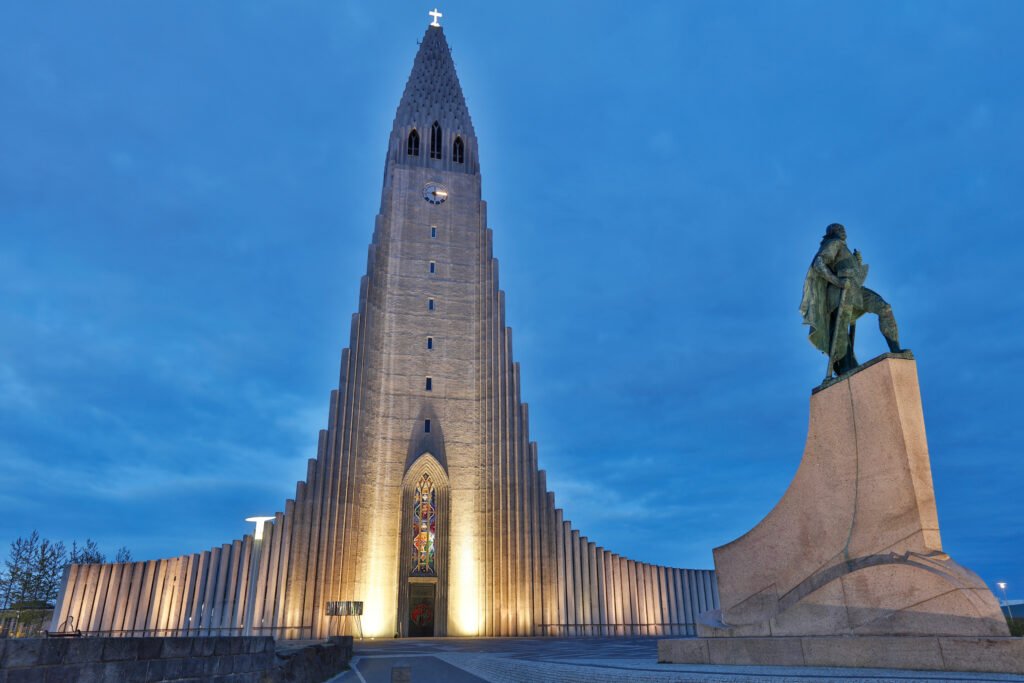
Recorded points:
(437,15)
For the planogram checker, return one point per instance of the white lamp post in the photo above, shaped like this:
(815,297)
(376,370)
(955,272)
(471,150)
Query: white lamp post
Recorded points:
(258,536)
(254,567)
(1002,587)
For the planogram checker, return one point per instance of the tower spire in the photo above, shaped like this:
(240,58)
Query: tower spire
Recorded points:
(433,101)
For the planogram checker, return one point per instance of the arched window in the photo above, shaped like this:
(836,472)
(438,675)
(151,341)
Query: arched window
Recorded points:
(424,528)
(435,141)
(413,148)
(458,151)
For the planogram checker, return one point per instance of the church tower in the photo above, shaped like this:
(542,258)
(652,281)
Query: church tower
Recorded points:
(425,501)
(419,364)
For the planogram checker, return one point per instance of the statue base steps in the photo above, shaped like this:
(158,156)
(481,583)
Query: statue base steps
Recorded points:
(924,653)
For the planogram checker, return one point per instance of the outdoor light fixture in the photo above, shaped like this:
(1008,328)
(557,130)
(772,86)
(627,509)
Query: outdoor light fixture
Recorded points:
(1006,603)
(259,525)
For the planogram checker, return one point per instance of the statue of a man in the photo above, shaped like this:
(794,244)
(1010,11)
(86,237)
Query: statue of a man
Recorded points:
(835,296)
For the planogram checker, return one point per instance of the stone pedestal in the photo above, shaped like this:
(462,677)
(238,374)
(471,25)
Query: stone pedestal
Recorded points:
(853,547)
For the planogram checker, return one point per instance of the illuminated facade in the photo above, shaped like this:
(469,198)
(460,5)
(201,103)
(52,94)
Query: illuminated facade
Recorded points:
(425,500)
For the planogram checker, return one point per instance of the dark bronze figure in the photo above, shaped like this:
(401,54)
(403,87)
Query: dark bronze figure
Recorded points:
(835,296)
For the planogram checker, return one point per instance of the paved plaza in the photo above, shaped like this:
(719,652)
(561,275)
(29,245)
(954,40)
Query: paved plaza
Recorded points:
(584,660)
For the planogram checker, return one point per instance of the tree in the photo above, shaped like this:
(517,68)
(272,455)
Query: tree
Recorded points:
(33,571)
(5,588)
(89,553)
(48,570)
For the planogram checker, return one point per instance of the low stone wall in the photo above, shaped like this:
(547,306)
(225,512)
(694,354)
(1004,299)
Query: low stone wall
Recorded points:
(233,659)
(315,662)
(925,653)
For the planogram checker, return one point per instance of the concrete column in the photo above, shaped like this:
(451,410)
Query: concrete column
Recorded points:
(310,615)
(634,605)
(256,580)
(272,540)
(689,588)
(537,536)
(141,592)
(549,580)
(210,603)
(706,581)
(570,580)
(681,614)
(618,618)
(602,608)
(653,600)
(156,597)
(222,595)
(578,585)
(98,600)
(79,597)
(666,612)
(171,602)
(283,575)
(670,591)
(197,578)
(297,557)
(561,592)
(591,549)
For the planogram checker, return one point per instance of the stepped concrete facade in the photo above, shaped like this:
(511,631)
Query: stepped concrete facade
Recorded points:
(425,500)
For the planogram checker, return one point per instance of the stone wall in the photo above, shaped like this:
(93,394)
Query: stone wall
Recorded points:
(232,659)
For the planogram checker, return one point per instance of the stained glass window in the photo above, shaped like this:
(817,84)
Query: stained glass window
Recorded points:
(424,527)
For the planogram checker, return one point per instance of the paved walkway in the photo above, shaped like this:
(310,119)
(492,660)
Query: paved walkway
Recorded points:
(588,660)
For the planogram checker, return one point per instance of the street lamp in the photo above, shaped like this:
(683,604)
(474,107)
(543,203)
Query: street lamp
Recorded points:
(258,536)
(1002,587)
(254,564)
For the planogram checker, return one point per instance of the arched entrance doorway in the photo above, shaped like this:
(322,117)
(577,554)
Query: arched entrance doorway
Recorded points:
(423,566)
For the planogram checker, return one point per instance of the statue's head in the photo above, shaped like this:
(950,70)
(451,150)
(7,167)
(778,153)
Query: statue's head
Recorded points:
(835,231)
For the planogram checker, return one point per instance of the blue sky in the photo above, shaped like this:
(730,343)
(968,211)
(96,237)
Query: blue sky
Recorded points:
(187,191)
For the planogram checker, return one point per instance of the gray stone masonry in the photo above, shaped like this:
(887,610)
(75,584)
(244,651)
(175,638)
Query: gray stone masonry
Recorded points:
(232,659)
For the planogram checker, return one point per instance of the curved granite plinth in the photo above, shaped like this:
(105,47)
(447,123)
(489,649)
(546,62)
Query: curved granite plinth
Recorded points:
(853,547)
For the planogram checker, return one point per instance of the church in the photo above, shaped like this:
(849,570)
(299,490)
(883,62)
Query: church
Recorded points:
(424,511)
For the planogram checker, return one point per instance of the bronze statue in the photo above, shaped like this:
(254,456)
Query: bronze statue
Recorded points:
(835,296)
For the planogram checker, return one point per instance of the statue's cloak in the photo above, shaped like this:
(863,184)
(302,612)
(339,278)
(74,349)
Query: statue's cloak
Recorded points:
(815,309)
(821,299)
